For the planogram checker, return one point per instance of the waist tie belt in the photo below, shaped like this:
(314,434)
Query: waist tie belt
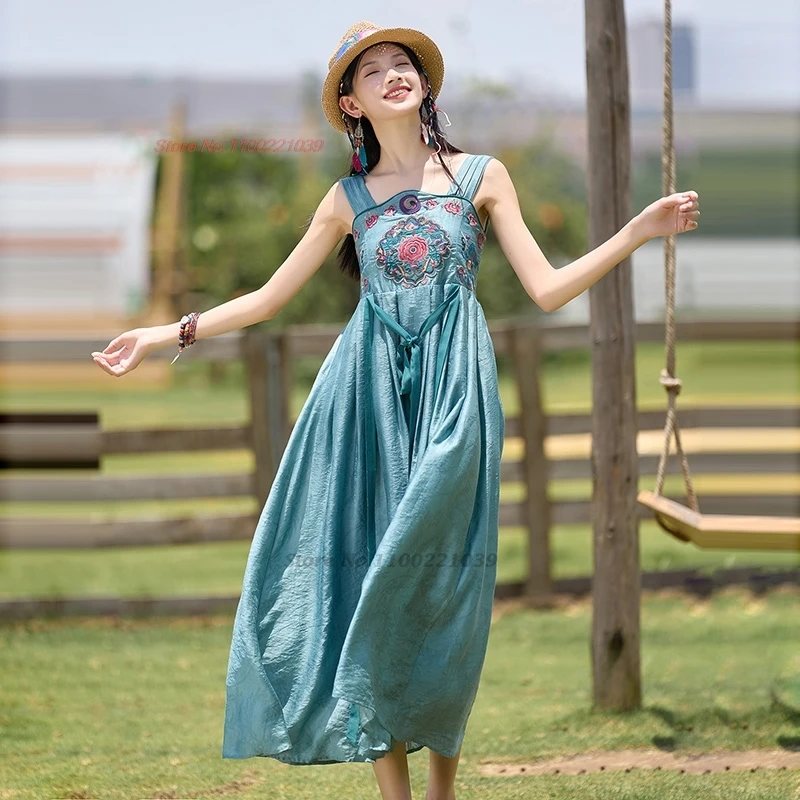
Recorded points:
(409,361)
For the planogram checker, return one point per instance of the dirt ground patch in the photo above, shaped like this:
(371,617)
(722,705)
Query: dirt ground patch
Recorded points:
(627,760)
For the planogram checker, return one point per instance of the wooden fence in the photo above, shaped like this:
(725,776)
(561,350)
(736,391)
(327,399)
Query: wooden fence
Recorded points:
(268,356)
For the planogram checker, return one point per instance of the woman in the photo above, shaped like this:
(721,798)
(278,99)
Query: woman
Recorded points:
(365,611)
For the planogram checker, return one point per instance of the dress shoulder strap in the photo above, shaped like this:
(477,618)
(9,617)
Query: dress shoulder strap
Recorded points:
(469,175)
(357,194)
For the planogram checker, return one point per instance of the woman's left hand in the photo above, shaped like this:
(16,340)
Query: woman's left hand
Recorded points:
(676,213)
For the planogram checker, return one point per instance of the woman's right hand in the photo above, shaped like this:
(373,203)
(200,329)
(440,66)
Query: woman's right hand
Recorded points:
(126,352)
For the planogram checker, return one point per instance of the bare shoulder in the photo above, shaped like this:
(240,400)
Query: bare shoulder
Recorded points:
(496,175)
(334,210)
(496,185)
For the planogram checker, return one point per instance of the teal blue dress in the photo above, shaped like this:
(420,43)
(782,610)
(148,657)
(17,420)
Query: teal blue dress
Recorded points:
(367,598)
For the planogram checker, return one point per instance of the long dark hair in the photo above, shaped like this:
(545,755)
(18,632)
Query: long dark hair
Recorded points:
(346,257)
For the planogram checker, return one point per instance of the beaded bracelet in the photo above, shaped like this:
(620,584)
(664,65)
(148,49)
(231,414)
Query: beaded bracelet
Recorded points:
(186,333)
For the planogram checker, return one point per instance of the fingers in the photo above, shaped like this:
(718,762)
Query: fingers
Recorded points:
(110,358)
(689,209)
(114,344)
(115,369)
(688,201)
(102,363)
(685,201)
(115,358)
(690,217)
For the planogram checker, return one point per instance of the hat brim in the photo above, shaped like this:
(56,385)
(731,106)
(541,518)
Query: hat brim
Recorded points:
(423,46)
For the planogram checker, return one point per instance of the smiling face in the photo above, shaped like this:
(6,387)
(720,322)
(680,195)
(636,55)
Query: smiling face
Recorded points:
(385,85)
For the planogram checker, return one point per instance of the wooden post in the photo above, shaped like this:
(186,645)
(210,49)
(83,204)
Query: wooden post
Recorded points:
(617,578)
(525,346)
(170,215)
(264,353)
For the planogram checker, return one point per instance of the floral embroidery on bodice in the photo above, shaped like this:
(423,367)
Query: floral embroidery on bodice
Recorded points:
(416,238)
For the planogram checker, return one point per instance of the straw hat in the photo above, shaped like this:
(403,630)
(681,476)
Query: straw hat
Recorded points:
(358,38)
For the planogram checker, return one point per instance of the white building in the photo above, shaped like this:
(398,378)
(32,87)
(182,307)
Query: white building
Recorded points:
(75,213)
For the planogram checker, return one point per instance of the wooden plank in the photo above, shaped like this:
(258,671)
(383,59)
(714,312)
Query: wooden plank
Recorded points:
(45,533)
(27,349)
(725,417)
(311,340)
(701,417)
(316,340)
(576,337)
(122,487)
(49,441)
(687,580)
(165,440)
(512,515)
(705,417)
(514,472)
(773,463)
(513,426)
(96,488)
(526,358)
(90,418)
(722,463)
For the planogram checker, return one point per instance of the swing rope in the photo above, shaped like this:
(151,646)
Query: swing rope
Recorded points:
(668,380)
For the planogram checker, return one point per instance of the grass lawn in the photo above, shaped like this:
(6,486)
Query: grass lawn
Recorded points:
(133,709)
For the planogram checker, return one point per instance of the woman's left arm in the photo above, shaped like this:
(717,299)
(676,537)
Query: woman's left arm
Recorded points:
(552,288)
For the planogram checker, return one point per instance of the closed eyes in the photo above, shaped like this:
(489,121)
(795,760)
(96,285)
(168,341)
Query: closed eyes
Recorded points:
(399,64)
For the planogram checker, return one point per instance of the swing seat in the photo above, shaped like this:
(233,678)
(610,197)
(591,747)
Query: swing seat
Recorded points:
(723,531)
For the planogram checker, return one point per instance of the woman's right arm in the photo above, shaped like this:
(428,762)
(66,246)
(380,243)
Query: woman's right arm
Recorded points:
(327,228)
(323,234)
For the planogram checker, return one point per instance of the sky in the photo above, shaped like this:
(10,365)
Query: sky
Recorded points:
(743,58)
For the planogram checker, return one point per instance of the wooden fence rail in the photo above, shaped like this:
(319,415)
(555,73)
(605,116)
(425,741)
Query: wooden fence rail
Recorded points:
(316,340)
(268,356)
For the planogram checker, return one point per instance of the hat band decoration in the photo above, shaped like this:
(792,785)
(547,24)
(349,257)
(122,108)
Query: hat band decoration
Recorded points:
(356,37)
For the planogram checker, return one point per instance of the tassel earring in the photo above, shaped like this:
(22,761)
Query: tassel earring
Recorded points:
(426,133)
(359,151)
